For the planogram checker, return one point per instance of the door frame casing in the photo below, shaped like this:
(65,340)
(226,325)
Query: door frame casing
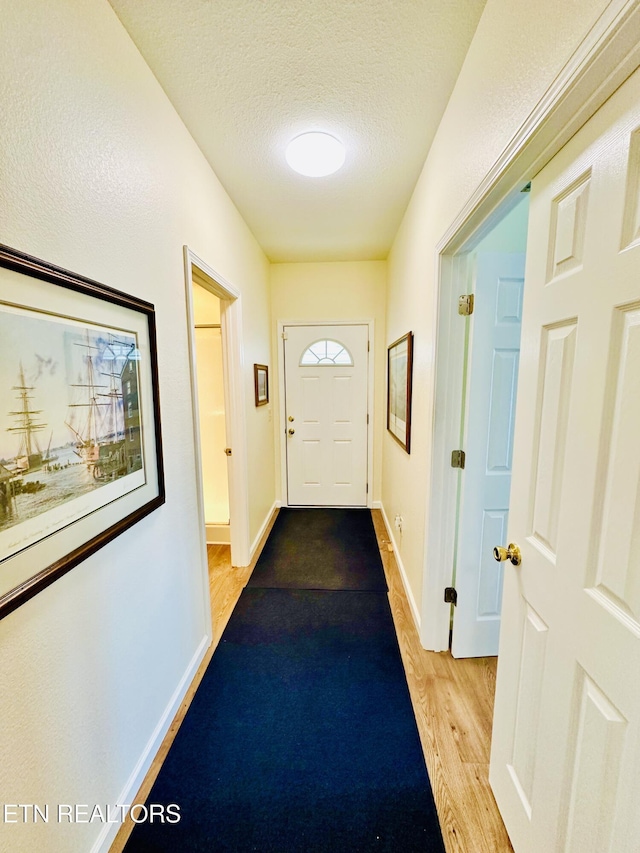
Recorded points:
(284,488)
(235,414)
(602,62)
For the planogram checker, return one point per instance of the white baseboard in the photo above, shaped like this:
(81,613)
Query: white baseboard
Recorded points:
(278,504)
(376,504)
(405,582)
(218,534)
(110,830)
(260,533)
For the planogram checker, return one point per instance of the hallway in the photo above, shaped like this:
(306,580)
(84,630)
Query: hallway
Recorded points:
(452,702)
(117,175)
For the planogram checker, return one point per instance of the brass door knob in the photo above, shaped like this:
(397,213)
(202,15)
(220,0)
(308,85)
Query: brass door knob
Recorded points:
(291,431)
(291,419)
(512,552)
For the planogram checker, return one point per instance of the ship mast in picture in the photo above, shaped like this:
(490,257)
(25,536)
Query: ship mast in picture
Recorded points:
(99,441)
(29,456)
(113,396)
(88,437)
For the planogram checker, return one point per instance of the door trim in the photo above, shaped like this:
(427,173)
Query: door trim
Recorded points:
(602,62)
(281,402)
(235,416)
(609,53)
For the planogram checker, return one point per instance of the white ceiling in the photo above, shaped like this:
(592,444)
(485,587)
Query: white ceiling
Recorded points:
(248,75)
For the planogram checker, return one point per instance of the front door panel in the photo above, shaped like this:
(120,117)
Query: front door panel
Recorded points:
(326,371)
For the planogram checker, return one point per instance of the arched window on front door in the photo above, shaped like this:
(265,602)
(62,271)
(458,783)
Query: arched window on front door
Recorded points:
(328,352)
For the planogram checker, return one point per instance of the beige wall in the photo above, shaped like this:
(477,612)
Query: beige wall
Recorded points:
(99,175)
(353,290)
(518,49)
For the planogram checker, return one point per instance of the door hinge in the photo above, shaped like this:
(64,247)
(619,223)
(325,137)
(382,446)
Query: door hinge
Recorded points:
(367,420)
(367,488)
(450,595)
(285,336)
(465,304)
(368,345)
(458,458)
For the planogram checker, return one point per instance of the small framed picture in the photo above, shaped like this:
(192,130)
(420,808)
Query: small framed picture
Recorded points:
(399,370)
(261,379)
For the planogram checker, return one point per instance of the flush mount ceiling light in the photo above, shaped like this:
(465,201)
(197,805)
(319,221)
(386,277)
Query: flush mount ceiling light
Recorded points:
(315,154)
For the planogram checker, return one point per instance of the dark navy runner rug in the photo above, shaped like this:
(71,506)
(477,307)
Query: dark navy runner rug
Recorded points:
(301,736)
(321,549)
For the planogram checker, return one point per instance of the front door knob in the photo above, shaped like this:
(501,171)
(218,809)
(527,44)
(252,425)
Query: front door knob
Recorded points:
(511,553)
(291,431)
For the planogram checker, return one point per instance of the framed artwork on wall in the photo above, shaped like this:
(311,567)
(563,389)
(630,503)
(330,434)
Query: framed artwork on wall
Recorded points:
(261,381)
(399,371)
(80,442)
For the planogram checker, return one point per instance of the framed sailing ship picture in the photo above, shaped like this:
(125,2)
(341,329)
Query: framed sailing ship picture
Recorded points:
(80,444)
(399,371)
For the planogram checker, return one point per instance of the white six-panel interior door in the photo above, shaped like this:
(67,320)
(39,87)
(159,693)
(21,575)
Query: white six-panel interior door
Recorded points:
(565,763)
(326,414)
(486,480)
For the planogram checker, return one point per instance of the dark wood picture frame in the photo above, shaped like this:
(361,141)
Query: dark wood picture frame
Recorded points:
(261,384)
(399,379)
(94,488)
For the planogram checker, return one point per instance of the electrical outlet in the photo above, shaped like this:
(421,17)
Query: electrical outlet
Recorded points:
(398,522)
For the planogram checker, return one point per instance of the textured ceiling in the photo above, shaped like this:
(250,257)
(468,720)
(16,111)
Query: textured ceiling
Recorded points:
(248,75)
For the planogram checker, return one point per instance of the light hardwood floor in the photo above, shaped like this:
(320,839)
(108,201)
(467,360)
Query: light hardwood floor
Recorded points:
(452,701)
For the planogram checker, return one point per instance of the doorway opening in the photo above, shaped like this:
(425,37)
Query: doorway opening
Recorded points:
(495,275)
(477,369)
(211,407)
(217,382)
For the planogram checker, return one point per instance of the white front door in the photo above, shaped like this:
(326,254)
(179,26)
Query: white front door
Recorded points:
(565,762)
(326,377)
(486,480)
